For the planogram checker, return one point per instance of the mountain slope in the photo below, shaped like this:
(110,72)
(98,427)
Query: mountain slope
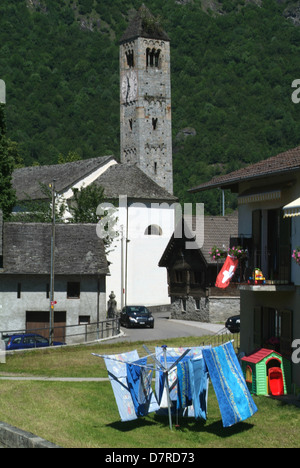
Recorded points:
(231,81)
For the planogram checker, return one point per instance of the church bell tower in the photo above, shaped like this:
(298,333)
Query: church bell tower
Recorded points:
(145,99)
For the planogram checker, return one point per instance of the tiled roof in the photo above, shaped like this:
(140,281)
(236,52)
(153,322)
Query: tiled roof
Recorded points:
(26,181)
(217,232)
(27,249)
(144,25)
(287,161)
(121,179)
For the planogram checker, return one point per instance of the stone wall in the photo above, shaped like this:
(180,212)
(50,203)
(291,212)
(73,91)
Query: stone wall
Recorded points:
(211,310)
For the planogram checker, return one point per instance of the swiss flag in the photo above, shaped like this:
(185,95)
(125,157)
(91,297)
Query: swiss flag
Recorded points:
(227,272)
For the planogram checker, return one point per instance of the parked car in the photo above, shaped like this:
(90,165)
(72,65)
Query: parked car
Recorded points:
(26,341)
(136,316)
(233,324)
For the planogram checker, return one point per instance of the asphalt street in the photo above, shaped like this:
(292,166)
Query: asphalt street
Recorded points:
(165,328)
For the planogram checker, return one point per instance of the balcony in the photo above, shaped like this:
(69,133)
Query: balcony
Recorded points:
(275,267)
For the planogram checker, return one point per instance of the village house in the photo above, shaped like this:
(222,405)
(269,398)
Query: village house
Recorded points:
(192,272)
(269,217)
(25,271)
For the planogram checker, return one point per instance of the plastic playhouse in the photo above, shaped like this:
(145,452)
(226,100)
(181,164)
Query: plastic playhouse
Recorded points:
(267,372)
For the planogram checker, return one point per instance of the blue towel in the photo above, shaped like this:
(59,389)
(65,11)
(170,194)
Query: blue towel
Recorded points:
(139,383)
(184,396)
(198,374)
(235,401)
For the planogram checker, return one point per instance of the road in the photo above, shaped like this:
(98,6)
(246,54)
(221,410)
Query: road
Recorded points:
(165,328)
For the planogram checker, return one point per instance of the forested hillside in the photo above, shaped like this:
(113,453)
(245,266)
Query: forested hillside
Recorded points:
(233,64)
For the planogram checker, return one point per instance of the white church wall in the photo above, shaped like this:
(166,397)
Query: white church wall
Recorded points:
(135,276)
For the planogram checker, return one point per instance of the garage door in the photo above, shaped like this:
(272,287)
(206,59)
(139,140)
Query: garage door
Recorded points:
(39,322)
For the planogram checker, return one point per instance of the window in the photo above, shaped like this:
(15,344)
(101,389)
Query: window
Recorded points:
(84,319)
(273,328)
(197,277)
(179,277)
(130,58)
(153,230)
(271,244)
(153,58)
(73,290)
(248,374)
(47,291)
(154,123)
(41,340)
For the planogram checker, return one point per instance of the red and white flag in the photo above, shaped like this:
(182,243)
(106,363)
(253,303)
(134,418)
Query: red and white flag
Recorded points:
(227,272)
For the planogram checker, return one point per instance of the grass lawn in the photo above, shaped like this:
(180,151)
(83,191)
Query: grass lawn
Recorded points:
(84,414)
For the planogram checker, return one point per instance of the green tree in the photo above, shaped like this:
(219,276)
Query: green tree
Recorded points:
(84,210)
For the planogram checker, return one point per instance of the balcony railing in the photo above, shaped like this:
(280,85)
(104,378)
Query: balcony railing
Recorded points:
(276,268)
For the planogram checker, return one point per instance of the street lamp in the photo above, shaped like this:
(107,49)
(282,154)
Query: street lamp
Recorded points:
(52,302)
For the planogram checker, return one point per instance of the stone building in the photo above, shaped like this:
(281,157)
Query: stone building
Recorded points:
(80,277)
(192,272)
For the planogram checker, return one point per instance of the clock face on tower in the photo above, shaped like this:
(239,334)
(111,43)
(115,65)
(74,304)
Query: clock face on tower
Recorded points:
(129,86)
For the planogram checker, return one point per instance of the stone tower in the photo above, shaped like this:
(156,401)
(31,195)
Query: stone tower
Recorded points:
(145,99)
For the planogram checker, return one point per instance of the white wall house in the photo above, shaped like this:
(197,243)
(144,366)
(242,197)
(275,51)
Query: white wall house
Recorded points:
(270,312)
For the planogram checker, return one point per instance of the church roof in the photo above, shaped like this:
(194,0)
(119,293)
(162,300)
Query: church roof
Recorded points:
(121,179)
(144,25)
(118,179)
(27,249)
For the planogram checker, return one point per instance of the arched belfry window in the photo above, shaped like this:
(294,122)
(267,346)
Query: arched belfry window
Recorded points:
(153,230)
(130,58)
(152,57)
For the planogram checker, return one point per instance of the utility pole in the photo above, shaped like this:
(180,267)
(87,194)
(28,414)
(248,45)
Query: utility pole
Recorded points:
(52,302)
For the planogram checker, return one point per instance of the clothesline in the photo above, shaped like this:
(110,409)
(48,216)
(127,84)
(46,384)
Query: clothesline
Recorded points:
(150,367)
(181,378)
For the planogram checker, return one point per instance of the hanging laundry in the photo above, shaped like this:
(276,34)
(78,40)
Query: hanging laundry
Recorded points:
(184,395)
(117,373)
(139,378)
(198,374)
(235,401)
(172,355)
